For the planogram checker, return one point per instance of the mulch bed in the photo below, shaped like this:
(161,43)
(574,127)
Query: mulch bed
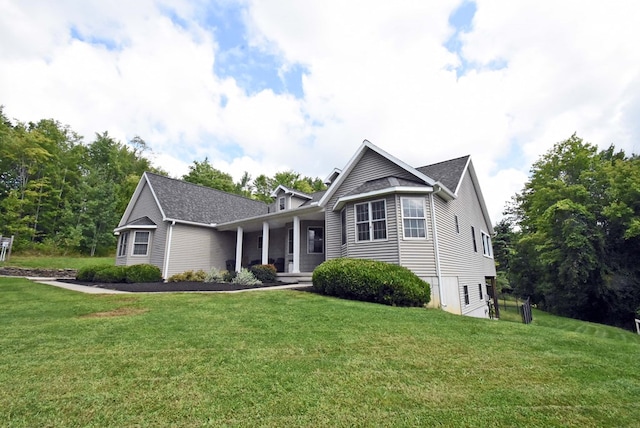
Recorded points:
(159,287)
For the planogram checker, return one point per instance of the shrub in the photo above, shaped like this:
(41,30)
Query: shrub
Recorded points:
(143,273)
(228,276)
(245,277)
(371,281)
(264,273)
(110,274)
(189,276)
(215,275)
(87,273)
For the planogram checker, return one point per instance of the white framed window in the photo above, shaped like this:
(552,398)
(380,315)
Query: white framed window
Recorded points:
(260,242)
(140,243)
(343,225)
(414,223)
(371,221)
(315,240)
(122,245)
(486,244)
(290,241)
(281,203)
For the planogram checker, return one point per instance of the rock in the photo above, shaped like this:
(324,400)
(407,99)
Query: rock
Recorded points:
(38,272)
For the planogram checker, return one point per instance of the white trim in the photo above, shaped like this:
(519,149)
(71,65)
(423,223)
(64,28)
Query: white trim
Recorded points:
(126,244)
(290,230)
(382,192)
(464,172)
(424,218)
(315,227)
(437,249)
(239,233)
(265,243)
(133,226)
(370,221)
(168,251)
(296,244)
(289,191)
(487,249)
(332,176)
(191,223)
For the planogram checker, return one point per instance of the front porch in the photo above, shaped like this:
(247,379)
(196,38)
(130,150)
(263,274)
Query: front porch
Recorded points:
(292,240)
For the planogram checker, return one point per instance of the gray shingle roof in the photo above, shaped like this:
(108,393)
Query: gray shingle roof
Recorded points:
(194,203)
(315,197)
(142,221)
(448,172)
(383,183)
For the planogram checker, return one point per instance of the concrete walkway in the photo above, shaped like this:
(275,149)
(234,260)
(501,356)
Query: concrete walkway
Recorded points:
(98,290)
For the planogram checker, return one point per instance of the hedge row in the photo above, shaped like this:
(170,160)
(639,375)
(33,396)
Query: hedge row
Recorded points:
(371,281)
(113,274)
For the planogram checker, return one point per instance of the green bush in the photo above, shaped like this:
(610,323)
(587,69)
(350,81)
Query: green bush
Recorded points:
(110,274)
(228,276)
(188,276)
(88,273)
(264,273)
(245,277)
(143,273)
(371,281)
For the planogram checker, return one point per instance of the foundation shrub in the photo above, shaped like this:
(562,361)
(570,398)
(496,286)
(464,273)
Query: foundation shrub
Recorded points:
(215,275)
(264,273)
(371,281)
(245,277)
(88,273)
(143,273)
(228,276)
(188,276)
(110,274)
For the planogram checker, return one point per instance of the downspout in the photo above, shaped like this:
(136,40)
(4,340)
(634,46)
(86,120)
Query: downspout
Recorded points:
(166,259)
(437,247)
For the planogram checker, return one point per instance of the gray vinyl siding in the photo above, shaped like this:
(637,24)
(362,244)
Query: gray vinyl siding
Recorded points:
(223,248)
(146,205)
(190,249)
(457,257)
(370,167)
(418,255)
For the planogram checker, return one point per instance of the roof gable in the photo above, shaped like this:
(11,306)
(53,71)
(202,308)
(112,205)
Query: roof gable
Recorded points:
(366,146)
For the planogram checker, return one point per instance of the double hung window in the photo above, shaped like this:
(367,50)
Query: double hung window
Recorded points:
(413,219)
(140,243)
(122,247)
(371,221)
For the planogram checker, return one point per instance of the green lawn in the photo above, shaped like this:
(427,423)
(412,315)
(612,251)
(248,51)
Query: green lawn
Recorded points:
(56,262)
(288,358)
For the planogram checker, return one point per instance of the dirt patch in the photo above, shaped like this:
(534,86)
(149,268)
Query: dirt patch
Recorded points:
(119,312)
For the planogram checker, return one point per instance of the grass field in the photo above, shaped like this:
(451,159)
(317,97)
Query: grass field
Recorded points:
(56,262)
(289,358)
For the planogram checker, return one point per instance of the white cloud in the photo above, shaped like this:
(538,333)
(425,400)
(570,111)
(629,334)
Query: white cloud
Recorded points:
(375,70)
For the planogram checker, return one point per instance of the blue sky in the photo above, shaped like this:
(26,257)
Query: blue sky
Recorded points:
(264,86)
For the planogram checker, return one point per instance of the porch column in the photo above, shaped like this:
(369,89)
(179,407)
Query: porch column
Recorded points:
(296,244)
(239,235)
(265,243)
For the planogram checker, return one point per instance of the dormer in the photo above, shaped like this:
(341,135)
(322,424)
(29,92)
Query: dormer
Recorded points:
(286,198)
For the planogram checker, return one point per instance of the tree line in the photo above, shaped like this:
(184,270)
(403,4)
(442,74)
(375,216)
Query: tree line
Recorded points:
(60,194)
(571,238)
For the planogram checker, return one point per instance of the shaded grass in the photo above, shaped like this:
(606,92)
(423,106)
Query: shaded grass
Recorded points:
(280,358)
(50,262)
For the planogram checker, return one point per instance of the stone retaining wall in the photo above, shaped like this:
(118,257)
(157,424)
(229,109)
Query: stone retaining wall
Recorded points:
(38,272)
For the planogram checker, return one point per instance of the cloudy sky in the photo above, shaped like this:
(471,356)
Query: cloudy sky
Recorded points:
(268,85)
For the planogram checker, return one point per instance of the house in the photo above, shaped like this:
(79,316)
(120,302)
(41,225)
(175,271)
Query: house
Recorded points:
(431,219)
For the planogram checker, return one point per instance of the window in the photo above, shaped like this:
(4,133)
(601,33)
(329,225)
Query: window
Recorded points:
(480,291)
(140,243)
(371,221)
(413,220)
(343,225)
(259,242)
(290,242)
(473,237)
(122,248)
(281,203)
(486,245)
(466,295)
(315,241)
(455,218)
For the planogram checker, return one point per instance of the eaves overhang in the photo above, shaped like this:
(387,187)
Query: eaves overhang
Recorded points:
(382,192)
(279,215)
